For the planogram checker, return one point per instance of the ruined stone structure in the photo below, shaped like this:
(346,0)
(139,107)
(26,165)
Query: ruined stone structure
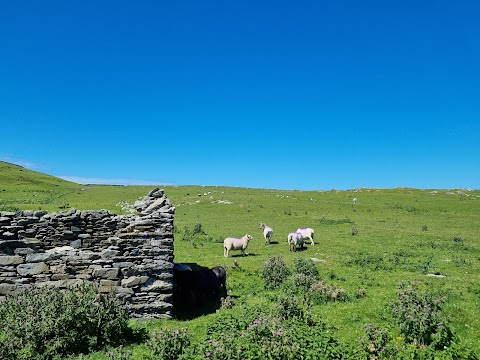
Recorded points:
(131,255)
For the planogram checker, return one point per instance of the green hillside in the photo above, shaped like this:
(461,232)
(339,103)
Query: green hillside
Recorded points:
(14,176)
(430,237)
(24,189)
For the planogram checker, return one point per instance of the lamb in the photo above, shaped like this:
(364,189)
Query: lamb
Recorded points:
(267,232)
(236,244)
(307,233)
(294,239)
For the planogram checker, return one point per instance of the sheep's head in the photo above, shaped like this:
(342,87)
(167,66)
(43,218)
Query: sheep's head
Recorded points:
(262,226)
(248,237)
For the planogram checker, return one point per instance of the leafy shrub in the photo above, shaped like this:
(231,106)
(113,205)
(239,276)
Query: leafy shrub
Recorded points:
(227,302)
(377,342)
(323,292)
(361,293)
(274,271)
(289,307)
(305,266)
(196,235)
(269,336)
(119,354)
(42,323)
(420,318)
(300,282)
(168,344)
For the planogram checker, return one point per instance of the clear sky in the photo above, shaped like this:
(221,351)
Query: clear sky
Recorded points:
(308,95)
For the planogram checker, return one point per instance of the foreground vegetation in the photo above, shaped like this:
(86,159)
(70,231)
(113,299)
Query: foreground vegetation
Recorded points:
(395,251)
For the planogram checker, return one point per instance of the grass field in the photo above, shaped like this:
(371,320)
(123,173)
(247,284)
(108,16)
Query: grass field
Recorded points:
(430,237)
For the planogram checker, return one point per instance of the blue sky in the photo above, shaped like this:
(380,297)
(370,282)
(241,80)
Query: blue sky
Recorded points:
(308,95)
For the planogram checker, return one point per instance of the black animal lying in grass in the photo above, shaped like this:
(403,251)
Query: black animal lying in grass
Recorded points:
(201,285)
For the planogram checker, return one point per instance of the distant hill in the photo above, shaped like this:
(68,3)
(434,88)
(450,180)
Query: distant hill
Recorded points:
(21,188)
(14,176)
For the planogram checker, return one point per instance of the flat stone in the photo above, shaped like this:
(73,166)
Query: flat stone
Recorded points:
(108,273)
(6,289)
(38,257)
(32,269)
(11,260)
(134,281)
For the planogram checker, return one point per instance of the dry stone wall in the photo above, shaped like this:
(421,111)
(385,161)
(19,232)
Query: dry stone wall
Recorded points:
(131,255)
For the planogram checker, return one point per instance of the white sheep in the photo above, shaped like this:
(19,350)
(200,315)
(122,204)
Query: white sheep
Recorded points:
(267,232)
(355,200)
(236,244)
(307,233)
(294,239)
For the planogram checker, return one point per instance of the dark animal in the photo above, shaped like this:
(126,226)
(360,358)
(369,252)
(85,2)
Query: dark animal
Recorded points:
(202,285)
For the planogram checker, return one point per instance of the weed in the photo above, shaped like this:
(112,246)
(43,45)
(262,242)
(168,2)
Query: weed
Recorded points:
(119,354)
(305,266)
(322,292)
(374,262)
(361,293)
(168,344)
(377,342)
(269,336)
(227,302)
(298,282)
(420,317)
(47,322)
(274,271)
(289,307)
(325,221)
(458,239)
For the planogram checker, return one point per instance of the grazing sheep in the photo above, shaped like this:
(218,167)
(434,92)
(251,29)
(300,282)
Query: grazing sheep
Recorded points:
(294,239)
(236,244)
(307,233)
(355,200)
(267,232)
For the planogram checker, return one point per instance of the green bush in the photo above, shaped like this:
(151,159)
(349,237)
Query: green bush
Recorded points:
(322,292)
(274,271)
(43,323)
(420,318)
(289,307)
(305,266)
(119,354)
(270,336)
(169,344)
(300,282)
(196,235)
(377,343)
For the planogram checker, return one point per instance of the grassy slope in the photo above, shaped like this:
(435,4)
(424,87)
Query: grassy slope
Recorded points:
(391,235)
(402,235)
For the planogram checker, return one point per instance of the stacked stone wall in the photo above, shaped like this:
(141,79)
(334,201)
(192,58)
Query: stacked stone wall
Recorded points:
(131,255)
